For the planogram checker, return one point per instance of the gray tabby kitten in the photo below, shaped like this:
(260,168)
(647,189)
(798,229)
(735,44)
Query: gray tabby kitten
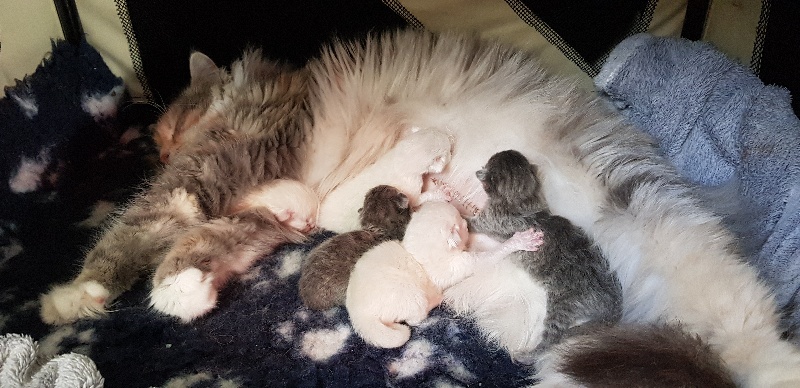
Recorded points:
(581,289)
(326,271)
(237,130)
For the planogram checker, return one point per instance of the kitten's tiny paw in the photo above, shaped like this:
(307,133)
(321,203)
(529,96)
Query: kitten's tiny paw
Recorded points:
(71,302)
(187,295)
(438,164)
(529,240)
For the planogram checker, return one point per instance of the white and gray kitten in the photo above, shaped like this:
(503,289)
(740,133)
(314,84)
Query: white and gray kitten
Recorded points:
(582,291)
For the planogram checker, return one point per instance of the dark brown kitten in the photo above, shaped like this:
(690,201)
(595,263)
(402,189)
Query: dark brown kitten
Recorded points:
(326,271)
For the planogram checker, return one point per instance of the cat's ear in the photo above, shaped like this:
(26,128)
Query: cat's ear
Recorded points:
(201,67)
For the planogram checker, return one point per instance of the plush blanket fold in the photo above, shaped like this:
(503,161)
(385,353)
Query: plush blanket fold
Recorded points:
(23,365)
(724,129)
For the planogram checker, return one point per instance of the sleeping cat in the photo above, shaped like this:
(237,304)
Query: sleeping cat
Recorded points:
(423,151)
(581,289)
(674,258)
(326,270)
(401,282)
(252,123)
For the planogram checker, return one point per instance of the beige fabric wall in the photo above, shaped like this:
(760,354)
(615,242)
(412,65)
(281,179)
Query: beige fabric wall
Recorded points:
(26,27)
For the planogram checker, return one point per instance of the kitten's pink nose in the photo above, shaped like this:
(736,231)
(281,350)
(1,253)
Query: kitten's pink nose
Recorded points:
(309,227)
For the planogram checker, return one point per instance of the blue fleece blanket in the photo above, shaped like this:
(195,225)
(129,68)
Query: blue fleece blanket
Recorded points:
(726,130)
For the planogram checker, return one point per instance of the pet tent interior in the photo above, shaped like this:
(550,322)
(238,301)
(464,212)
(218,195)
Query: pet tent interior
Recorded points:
(131,59)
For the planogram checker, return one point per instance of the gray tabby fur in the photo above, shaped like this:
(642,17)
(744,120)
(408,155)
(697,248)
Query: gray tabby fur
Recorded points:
(581,289)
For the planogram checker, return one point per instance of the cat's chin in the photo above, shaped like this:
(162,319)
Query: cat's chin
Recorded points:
(188,295)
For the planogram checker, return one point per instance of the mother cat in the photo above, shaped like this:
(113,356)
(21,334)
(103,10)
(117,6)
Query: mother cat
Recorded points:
(673,258)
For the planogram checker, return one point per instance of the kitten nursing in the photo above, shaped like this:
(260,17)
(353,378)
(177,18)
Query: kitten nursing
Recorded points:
(580,287)
(194,225)
(398,282)
(326,270)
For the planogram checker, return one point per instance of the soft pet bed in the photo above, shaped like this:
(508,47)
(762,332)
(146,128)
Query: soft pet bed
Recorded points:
(260,334)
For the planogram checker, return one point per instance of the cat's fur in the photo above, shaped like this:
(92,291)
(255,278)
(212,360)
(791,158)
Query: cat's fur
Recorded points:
(203,259)
(401,282)
(250,126)
(673,257)
(581,289)
(293,203)
(326,270)
(632,355)
(423,151)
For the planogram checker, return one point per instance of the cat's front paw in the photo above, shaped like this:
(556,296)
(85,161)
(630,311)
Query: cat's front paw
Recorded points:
(71,302)
(528,240)
(187,295)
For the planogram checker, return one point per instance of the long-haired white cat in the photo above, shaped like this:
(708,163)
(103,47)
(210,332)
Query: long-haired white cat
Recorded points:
(423,151)
(674,259)
(396,283)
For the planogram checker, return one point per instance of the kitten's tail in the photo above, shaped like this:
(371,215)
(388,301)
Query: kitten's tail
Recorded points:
(383,334)
(634,355)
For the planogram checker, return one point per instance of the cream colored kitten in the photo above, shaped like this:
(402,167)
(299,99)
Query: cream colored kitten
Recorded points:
(423,151)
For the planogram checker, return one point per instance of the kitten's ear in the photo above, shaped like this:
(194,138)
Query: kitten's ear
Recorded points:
(201,66)
(402,201)
(454,240)
(481,174)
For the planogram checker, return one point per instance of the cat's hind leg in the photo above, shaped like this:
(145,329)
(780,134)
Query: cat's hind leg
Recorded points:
(200,263)
(128,248)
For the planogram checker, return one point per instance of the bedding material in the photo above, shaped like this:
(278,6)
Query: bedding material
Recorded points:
(260,334)
(724,129)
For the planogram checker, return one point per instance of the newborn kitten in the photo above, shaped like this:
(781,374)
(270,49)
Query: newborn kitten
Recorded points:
(401,282)
(421,152)
(236,130)
(326,271)
(581,289)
